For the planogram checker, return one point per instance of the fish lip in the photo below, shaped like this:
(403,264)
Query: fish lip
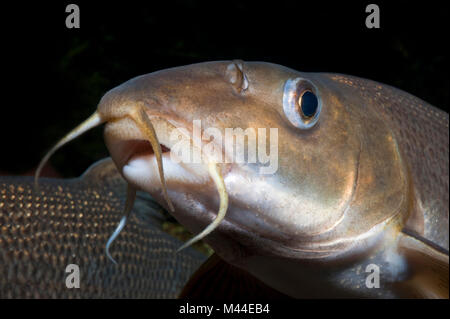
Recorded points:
(124,140)
(140,147)
(123,145)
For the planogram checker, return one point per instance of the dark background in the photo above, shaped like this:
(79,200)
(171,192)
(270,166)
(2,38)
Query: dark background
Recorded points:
(53,77)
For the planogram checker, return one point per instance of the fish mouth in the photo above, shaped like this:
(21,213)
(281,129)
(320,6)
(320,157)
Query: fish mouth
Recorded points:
(132,149)
(125,141)
(140,146)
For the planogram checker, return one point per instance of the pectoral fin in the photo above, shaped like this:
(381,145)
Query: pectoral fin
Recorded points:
(428,265)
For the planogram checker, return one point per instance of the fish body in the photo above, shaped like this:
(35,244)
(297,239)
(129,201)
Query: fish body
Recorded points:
(68,223)
(358,176)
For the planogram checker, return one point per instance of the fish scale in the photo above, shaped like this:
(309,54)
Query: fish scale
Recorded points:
(69,222)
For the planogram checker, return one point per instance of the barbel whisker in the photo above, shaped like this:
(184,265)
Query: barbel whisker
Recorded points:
(131,196)
(215,174)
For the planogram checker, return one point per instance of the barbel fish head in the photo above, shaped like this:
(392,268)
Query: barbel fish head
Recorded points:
(321,168)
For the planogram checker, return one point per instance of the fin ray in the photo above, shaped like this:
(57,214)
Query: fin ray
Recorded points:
(429,268)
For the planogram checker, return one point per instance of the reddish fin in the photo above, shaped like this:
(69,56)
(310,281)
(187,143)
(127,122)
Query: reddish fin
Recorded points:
(218,280)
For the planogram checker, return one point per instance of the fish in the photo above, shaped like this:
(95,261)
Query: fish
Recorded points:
(67,224)
(346,196)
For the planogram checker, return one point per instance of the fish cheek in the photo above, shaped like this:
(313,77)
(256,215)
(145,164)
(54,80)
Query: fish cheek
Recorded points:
(317,173)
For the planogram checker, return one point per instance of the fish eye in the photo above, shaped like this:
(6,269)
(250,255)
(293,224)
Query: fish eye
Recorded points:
(308,103)
(301,103)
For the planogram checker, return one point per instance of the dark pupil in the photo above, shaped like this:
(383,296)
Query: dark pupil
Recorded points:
(308,104)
